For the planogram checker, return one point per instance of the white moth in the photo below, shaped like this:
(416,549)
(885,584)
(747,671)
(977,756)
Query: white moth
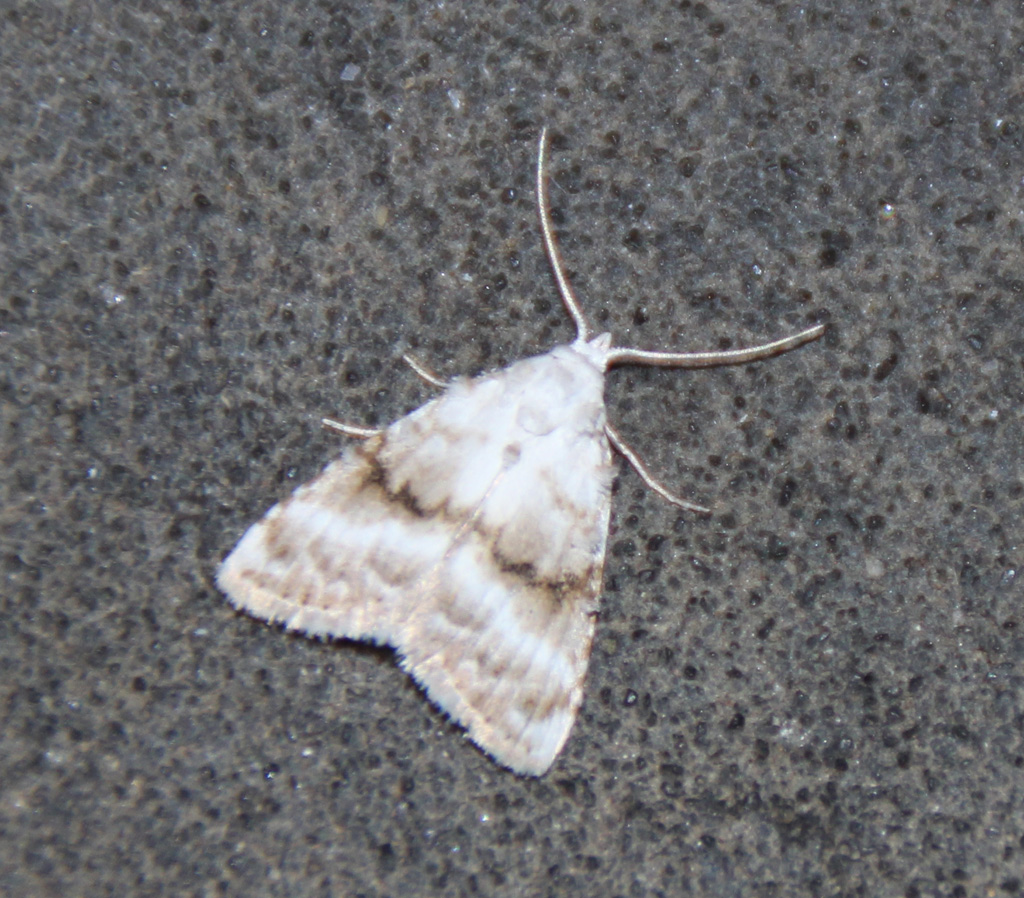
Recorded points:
(470,535)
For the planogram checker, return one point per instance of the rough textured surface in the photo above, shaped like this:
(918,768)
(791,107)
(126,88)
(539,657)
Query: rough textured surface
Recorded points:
(220,222)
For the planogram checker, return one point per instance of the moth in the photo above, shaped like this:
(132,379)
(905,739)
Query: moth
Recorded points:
(470,535)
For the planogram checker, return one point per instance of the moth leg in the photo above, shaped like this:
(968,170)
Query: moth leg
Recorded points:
(424,372)
(645,475)
(351,430)
(365,433)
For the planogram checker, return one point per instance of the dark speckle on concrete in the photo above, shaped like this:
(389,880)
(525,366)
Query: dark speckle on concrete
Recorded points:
(220,222)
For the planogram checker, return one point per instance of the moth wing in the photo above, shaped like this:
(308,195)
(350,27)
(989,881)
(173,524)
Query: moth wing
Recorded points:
(470,536)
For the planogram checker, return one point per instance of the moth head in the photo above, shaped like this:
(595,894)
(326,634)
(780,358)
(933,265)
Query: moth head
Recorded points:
(595,350)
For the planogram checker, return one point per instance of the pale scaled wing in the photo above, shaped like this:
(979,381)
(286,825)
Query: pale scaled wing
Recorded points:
(470,536)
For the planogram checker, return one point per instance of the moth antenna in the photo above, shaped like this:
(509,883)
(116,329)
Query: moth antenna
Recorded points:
(626,452)
(624,355)
(568,297)
(351,430)
(424,372)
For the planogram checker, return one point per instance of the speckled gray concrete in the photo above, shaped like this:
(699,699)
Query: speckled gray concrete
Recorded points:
(218,225)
